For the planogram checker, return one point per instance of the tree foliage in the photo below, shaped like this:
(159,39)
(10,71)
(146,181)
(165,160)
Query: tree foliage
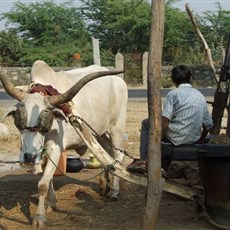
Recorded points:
(180,40)
(120,25)
(216,27)
(53,32)
(47,22)
(10,48)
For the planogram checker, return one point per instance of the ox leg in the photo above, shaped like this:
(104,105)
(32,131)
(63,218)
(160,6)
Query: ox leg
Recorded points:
(104,185)
(115,139)
(115,181)
(43,188)
(51,198)
(39,218)
(104,180)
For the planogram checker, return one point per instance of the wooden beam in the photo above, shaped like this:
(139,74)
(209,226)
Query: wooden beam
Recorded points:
(119,170)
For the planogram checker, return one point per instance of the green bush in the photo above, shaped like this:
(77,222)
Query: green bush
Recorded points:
(166,81)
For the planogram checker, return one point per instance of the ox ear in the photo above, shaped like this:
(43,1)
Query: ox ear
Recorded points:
(10,112)
(59,115)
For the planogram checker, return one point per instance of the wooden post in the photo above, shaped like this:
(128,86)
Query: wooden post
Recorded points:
(96,51)
(155,180)
(119,63)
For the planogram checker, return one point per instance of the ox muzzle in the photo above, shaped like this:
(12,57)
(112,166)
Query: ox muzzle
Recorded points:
(30,158)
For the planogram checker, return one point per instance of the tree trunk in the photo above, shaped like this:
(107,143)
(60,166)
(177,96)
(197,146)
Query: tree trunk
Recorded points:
(155,181)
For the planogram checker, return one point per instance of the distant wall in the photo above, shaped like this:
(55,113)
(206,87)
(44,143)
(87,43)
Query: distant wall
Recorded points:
(21,75)
(202,75)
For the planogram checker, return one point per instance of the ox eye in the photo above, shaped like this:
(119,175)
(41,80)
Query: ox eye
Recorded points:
(20,117)
(45,120)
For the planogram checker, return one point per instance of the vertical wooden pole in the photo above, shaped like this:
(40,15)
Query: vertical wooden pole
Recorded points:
(155,181)
(96,51)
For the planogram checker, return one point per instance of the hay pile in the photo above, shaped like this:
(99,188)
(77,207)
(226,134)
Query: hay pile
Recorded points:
(222,139)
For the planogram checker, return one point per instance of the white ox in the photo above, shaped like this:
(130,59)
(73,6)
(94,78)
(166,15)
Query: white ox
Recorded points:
(102,103)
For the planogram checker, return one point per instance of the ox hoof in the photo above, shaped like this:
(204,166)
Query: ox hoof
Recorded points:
(110,198)
(39,222)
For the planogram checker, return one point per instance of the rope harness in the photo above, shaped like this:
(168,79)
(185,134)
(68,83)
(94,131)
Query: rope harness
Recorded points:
(73,119)
(74,122)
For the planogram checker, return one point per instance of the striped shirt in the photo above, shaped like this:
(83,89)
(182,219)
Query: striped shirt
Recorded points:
(187,111)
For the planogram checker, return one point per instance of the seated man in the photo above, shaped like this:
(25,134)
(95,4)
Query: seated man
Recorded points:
(185,118)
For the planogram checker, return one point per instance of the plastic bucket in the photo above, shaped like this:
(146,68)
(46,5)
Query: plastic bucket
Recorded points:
(61,167)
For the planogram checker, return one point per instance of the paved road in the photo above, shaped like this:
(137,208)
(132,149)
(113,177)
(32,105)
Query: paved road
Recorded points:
(132,94)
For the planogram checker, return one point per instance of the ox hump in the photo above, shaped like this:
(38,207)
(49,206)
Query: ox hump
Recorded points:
(41,70)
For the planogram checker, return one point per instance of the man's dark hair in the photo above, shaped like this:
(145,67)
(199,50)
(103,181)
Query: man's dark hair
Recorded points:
(181,74)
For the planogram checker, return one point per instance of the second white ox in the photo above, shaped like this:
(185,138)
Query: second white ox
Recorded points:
(102,103)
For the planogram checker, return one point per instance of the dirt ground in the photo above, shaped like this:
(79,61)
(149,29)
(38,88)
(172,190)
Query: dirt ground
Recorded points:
(79,204)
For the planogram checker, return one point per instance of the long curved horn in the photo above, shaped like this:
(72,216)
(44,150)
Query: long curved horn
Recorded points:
(69,94)
(9,87)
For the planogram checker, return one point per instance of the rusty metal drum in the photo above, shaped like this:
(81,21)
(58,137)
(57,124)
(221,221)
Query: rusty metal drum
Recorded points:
(215,176)
(214,168)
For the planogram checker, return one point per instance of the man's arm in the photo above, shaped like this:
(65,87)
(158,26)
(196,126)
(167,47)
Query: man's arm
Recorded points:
(204,133)
(165,124)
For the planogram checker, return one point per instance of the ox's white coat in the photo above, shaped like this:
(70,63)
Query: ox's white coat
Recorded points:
(101,102)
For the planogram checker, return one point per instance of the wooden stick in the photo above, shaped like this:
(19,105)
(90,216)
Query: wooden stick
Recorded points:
(206,47)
